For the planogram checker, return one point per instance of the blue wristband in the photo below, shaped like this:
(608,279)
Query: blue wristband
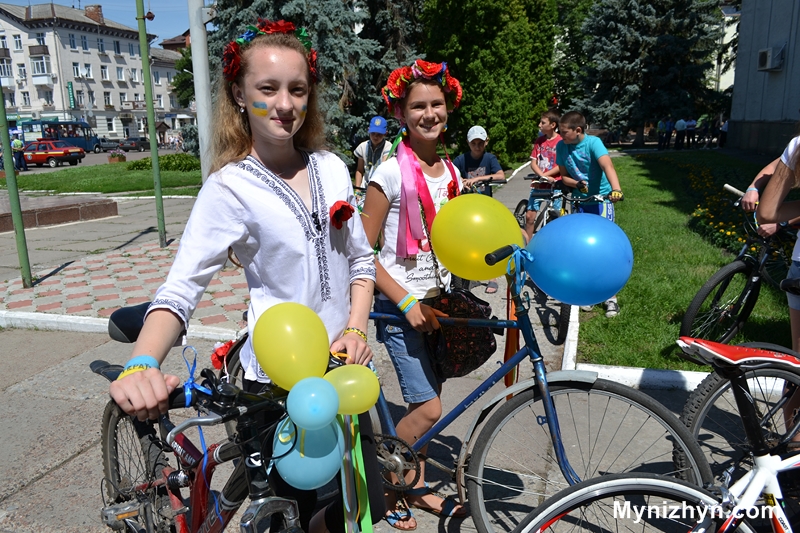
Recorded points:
(752,189)
(143,360)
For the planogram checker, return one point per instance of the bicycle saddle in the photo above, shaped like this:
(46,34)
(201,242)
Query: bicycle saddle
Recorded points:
(709,352)
(125,324)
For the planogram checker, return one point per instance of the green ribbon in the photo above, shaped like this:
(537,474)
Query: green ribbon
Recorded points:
(303,37)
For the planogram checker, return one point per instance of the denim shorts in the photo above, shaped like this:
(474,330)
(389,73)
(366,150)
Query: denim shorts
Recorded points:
(535,203)
(409,355)
(605,210)
(794,272)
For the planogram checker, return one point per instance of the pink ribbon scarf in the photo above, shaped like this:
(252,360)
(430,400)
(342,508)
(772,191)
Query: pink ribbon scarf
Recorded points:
(410,232)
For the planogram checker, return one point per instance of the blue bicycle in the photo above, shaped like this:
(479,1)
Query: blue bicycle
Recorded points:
(538,436)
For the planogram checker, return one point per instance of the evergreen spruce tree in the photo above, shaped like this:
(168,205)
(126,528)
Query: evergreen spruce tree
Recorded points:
(648,59)
(570,56)
(183,82)
(502,52)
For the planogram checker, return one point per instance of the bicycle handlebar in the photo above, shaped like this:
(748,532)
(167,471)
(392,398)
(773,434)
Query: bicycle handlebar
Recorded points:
(733,190)
(498,255)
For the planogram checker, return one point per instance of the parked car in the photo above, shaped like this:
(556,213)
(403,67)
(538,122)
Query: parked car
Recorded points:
(139,144)
(107,144)
(52,153)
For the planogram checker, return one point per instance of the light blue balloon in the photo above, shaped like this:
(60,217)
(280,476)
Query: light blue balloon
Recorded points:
(580,259)
(312,458)
(312,403)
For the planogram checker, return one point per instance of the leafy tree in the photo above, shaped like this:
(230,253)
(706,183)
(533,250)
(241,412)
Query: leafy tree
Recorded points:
(502,52)
(570,56)
(649,58)
(183,82)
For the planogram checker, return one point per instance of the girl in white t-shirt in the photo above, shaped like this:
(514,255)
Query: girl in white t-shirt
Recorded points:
(420,96)
(284,206)
(772,209)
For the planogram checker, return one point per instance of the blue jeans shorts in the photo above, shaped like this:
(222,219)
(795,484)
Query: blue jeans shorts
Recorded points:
(535,203)
(794,272)
(409,355)
(606,210)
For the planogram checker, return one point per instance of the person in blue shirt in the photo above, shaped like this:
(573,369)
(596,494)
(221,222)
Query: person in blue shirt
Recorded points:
(585,165)
(477,164)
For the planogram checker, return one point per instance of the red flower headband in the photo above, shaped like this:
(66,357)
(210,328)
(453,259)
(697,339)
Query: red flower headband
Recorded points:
(232,55)
(397,86)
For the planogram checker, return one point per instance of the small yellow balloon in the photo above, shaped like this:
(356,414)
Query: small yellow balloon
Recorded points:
(466,229)
(291,343)
(357,386)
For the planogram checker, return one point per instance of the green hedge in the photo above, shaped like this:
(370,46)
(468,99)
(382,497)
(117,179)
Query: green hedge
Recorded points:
(176,162)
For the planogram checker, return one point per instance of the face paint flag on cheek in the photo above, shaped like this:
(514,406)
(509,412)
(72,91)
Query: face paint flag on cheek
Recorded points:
(259,109)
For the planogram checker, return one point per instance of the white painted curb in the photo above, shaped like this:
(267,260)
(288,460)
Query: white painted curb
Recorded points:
(86,324)
(638,378)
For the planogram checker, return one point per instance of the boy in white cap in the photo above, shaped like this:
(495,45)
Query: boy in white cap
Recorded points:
(373,152)
(478,165)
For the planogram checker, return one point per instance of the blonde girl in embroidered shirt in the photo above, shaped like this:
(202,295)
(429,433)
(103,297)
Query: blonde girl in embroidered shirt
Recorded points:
(420,96)
(270,198)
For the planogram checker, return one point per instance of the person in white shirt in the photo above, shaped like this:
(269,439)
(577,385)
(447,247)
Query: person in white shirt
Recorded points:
(371,153)
(420,96)
(270,199)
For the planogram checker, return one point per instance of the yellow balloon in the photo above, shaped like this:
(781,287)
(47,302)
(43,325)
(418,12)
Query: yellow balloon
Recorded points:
(466,229)
(291,343)
(357,386)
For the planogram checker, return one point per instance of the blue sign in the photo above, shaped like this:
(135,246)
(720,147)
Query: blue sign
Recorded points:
(170,115)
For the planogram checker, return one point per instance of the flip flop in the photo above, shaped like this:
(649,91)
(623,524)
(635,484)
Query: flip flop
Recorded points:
(448,509)
(491,287)
(399,515)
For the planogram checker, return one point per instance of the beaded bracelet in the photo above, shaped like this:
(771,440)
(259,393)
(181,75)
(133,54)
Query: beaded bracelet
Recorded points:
(407,303)
(137,364)
(357,332)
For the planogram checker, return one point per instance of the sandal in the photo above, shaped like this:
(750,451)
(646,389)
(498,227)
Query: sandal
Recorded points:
(401,513)
(448,508)
(491,287)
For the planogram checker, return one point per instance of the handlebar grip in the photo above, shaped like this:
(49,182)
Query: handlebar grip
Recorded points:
(733,190)
(498,255)
(177,398)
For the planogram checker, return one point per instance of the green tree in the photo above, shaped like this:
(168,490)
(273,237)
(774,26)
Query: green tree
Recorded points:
(502,52)
(570,56)
(649,58)
(183,82)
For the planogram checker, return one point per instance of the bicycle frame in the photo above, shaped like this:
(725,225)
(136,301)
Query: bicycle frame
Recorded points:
(531,349)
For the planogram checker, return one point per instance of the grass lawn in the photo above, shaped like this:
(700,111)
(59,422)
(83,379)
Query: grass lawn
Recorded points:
(671,262)
(112,178)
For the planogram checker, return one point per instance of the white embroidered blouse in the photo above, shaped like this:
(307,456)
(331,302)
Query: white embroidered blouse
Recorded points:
(289,253)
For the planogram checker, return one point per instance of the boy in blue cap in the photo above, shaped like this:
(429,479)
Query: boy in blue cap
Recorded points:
(373,152)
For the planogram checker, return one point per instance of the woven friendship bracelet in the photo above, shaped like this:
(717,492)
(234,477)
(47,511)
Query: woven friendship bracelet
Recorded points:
(357,332)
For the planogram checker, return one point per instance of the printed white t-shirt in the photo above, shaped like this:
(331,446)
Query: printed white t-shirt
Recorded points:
(788,159)
(416,275)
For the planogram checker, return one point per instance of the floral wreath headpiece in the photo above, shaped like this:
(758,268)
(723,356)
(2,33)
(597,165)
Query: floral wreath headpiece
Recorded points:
(232,55)
(397,87)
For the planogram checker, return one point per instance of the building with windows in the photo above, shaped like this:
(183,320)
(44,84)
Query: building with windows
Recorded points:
(74,64)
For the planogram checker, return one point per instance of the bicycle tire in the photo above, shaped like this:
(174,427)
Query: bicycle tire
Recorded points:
(777,265)
(721,306)
(546,215)
(564,314)
(713,419)
(520,211)
(131,457)
(605,427)
(608,503)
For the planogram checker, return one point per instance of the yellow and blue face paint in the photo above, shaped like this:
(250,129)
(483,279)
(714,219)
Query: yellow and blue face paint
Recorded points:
(259,109)
(303,112)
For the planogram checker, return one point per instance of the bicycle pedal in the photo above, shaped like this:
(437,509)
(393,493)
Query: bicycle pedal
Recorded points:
(114,516)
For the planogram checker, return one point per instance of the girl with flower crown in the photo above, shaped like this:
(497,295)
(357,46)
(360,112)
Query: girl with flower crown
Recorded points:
(283,206)
(403,189)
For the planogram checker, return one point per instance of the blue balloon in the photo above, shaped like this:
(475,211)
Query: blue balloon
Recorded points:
(312,403)
(580,259)
(308,459)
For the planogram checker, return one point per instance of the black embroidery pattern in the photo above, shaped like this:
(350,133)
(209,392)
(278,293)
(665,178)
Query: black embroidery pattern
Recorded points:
(362,271)
(314,223)
(171,303)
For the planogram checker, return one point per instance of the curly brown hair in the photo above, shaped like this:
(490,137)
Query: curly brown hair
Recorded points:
(232,139)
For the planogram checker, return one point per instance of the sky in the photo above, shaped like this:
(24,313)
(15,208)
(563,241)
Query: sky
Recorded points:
(172,16)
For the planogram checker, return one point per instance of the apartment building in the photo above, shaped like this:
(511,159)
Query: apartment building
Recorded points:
(74,64)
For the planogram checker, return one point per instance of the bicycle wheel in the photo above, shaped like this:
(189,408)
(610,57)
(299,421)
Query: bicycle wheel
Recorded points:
(721,306)
(546,215)
(778,263)
(713,419)
(131,458)
(519,212)
(605,428)
(564,313)
(234,365)
(638,503)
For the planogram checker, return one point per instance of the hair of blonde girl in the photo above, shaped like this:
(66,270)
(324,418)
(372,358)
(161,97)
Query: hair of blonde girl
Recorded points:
(232,139)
